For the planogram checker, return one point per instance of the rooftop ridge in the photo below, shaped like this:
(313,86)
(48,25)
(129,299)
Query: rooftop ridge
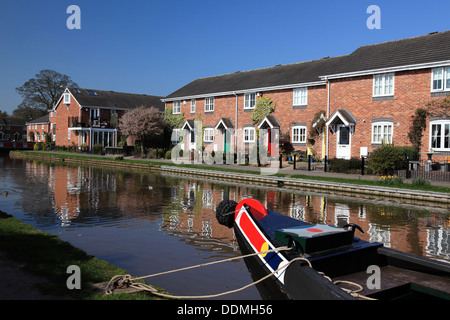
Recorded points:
(271,67)
(404,39)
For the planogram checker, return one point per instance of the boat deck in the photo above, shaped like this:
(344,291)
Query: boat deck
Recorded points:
(393,277)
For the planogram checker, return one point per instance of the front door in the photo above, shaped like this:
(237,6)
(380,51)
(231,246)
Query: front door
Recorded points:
(343,142)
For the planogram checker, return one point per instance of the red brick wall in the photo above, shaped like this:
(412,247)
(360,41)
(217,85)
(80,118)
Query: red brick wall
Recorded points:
(225,107)
(63,113)
(412,91)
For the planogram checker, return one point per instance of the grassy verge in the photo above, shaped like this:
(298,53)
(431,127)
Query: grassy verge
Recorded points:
(46,255)
(157,163)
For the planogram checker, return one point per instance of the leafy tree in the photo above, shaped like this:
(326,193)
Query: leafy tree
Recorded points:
(142,122)
(440,107)
(3,114)
(173,120)
(45,89)
(264,107)
(419,124)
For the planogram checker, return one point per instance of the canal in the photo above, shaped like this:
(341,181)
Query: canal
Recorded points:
(148,223)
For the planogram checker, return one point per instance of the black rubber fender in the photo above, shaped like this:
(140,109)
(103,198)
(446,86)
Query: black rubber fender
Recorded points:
(225,212)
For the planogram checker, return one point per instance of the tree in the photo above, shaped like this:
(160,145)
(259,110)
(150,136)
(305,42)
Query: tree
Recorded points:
(28,112)
(142,122)
(3,114)
(419,124)
(440,107)
(264,107)
(45,89)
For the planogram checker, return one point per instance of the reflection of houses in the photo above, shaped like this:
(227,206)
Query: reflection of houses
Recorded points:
(12,129)
(84,117)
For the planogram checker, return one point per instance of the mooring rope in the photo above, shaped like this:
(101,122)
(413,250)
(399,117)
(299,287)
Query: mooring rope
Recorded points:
(128,281)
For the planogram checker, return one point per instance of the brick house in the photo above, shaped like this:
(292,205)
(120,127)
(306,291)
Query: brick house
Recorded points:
(85,117)
(37,129)
(12,129)
(366,97)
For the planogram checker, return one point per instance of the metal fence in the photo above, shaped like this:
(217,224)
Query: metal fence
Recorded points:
(433,171)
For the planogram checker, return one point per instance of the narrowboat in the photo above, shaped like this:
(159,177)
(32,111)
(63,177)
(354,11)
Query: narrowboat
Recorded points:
(303,261)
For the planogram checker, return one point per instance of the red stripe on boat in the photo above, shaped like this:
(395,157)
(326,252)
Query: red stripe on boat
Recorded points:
(252,233)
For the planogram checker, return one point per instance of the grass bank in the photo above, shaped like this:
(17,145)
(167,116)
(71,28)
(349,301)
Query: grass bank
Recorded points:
(46,255)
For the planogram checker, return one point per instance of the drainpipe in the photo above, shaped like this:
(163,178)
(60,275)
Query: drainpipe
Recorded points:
(235,121)
(328,115)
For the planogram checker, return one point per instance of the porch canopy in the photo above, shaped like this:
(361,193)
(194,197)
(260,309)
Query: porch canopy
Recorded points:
(224,124)
(341,116)
(269,122)
(188,125)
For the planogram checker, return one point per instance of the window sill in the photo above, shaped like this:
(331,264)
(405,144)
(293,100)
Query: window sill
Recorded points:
(382,98)
(299,107)
(439,93)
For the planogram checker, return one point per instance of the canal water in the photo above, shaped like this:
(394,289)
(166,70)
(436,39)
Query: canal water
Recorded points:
(148,223)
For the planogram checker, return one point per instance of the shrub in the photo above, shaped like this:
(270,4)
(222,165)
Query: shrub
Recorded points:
(37,146)
(386,159)
(151,153)
(420,182)
(118,158)
(168,154)
(98,148)
(345,166)
(160,153)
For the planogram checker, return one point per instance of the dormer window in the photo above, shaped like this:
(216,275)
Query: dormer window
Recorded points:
(66,98)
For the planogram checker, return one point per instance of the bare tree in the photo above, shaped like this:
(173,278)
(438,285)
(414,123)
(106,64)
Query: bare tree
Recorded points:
(45,89)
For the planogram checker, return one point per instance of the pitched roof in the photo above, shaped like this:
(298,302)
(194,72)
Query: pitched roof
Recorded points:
(12,121)
(44,119)
(112,99)
(433,47)
(429,48)
(282,75)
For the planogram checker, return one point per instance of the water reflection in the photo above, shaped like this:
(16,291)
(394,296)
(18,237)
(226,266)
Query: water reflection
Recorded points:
(125,216)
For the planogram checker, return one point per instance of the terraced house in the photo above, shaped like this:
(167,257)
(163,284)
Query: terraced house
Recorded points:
(363,99)
(85,117)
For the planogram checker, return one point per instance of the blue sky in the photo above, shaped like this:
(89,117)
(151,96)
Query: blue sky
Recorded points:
(156,47)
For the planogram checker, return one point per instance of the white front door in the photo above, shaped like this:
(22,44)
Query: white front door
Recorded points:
(343,142)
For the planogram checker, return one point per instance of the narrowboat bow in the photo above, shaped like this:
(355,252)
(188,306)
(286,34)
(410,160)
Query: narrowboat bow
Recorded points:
(313,262)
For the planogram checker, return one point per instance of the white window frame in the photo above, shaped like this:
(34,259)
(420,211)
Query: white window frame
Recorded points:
(381,86)
(208,135)
(249,135)
(209,104)
(380,132)
(443,126)
(298,134)
(66,98)
(193,103)
(249,101)
(444,78)
(176,107)
(300,97)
